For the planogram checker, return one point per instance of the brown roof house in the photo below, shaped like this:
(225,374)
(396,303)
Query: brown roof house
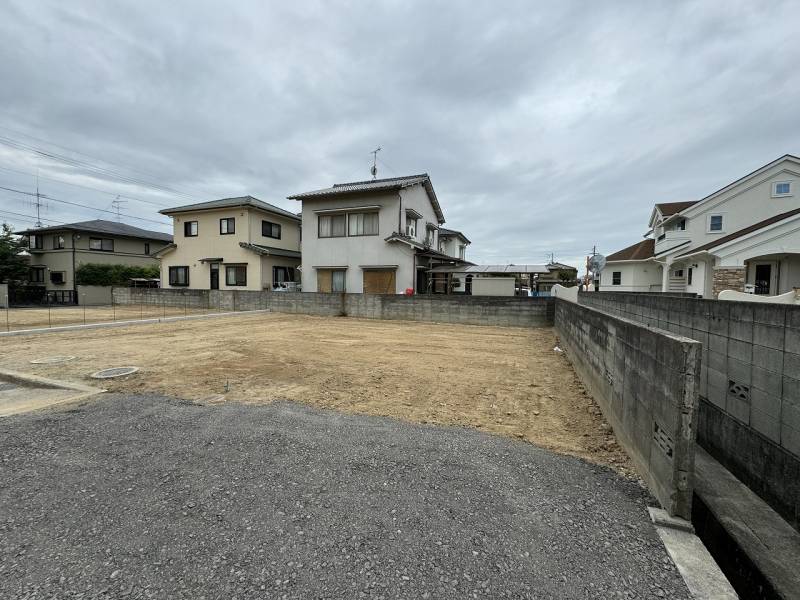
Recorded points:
(744,237)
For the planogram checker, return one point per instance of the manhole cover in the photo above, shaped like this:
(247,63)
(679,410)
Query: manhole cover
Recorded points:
(115,372)
(4,387)
(52,360)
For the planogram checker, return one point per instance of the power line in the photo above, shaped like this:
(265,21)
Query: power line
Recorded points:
(84,206)
(86,187)
(108,172)
(130,168)
(16,214)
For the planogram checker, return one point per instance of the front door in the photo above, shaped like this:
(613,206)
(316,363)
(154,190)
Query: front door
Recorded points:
(763,279)
(214,276)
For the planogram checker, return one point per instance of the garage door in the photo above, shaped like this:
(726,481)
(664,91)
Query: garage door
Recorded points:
(379,282)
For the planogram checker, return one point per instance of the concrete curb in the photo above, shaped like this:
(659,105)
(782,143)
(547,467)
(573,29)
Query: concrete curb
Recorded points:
(82,391)
(698,568)
(108,325)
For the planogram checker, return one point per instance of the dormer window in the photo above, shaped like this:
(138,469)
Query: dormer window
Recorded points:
(781,189)
(680,225)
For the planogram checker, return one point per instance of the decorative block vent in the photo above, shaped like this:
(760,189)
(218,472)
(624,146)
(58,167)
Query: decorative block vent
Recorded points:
(609,377)
(739,390)
(663,440)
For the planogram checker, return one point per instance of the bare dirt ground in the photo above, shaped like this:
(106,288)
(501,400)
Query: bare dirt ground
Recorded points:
(16,319)
(507,381)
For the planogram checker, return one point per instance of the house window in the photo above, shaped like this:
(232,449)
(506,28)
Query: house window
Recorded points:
(781,189)
(678,273)
(689,276)
(35,242)
(236,275)
(280,275)
(330,280)
(179,276)
(411,227)
(680,225)
(227,226)
(147,248)
(104,244)
(190,229)
(332,226)
(270,230)
(337,281)
(616,278)
(363,223)
(36,275)
(462,251)
(429,235)
(715,223)
(58,242)
(57,277)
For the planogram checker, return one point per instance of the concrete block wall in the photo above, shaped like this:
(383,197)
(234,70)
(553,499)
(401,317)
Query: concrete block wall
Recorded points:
(645,381)
(468,310)
(749,383)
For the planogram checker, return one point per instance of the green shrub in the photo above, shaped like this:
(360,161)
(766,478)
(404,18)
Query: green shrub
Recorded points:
(97,274)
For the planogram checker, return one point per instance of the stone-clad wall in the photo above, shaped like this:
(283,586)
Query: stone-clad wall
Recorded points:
(645,381)
(468,310)
(749,383)
(728,279)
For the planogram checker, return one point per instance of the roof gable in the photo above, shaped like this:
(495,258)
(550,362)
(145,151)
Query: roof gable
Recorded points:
(102,226)
(639,251)
(236,202)
(377,185)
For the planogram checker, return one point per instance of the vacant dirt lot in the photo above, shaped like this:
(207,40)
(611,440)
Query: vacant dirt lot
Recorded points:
(33,318)
(503,380)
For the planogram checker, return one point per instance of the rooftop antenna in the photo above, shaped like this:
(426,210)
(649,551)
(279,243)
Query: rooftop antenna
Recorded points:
(116,204)
(374,169)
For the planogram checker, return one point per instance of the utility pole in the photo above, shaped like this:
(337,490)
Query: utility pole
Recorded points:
(374,169)
(38,202)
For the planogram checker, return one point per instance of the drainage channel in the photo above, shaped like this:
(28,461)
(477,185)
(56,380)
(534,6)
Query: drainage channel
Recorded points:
(742,573)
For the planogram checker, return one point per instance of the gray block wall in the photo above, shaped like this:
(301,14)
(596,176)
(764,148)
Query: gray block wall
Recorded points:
(749,383)
(645,381)
(468,310)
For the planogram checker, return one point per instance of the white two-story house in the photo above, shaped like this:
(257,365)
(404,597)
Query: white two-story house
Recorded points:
(378,236)
(453,243)
(233,243)
(743,237)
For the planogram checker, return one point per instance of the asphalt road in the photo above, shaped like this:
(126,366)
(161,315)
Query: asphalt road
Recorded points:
(145,497)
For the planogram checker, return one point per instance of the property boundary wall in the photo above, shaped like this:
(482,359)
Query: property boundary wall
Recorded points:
(467,310)
(749,412)
(645,381)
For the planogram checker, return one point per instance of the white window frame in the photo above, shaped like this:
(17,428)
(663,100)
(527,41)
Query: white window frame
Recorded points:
(708,223)
(777,194)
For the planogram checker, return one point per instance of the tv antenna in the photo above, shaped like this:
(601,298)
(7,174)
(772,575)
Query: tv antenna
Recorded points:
(374,169)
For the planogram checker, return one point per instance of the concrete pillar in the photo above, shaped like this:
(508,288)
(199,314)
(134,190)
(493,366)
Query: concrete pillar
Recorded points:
(728,278)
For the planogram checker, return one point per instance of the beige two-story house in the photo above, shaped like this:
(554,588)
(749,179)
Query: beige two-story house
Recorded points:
(57,251)
(234,243)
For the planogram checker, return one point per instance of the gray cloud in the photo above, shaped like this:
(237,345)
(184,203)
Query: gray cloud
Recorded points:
(544,128)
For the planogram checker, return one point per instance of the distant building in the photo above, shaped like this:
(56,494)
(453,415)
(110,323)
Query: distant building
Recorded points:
(453,243)
(57,251)
(557,273)
(379,236)
(234,243)
(743,237)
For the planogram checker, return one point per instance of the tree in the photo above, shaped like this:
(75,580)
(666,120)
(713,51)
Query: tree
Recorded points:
(13,264)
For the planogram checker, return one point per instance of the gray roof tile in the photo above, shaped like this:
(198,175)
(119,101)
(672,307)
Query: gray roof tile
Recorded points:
(101,226)
(230,203)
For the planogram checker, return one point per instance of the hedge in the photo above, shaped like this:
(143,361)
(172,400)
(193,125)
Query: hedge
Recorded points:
(96,274)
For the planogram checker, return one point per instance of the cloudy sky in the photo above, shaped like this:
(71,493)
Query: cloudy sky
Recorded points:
(545,127)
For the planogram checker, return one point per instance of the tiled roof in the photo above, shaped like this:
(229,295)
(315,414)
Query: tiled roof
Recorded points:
(376,185)
(247,201)
(745,231)
(668,209)
(639,251)
(270,250)
(446,232)
(101,226)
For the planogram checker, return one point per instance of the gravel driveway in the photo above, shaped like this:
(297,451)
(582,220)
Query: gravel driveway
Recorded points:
(147,497)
